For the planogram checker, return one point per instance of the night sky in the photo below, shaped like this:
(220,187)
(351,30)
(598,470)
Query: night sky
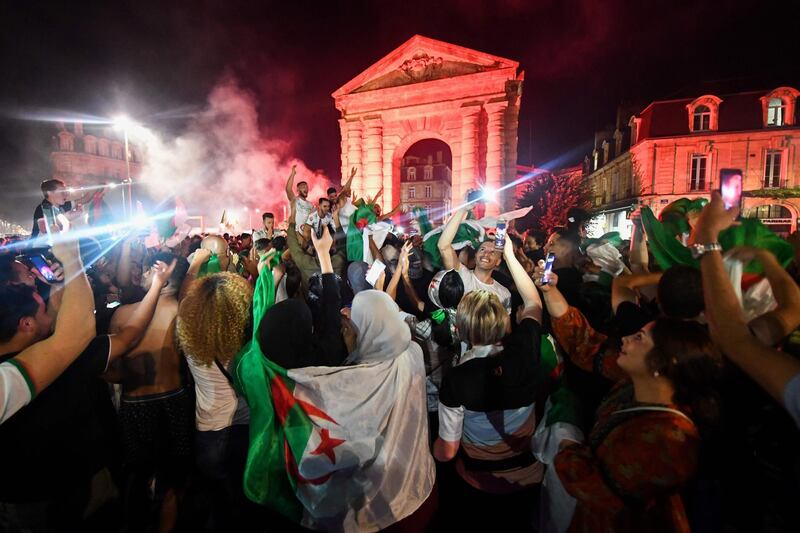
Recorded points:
(157,60)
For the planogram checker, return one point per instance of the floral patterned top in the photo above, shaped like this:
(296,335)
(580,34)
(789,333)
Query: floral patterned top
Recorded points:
(628,476)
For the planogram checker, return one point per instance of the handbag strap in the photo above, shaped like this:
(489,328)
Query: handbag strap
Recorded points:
(224,371)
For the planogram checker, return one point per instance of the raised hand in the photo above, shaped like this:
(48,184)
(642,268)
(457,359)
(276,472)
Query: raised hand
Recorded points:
(538,272)
(201,255)
(162,272)
(713,219)
(403,260)
(324,243)
(353,172)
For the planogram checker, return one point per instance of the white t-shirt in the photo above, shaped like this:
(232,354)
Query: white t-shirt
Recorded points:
(262,234)
(344,214)
(313,218)
(472,283)
(217,406)
(302,208)
(16,389)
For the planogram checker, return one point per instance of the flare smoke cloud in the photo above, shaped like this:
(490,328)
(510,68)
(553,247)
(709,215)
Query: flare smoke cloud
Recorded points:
(224,162)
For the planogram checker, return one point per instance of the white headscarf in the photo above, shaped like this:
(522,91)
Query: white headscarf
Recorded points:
(382,333)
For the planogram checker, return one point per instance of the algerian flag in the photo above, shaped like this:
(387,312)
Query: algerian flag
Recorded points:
(332,447)
(470,233)
(668,251)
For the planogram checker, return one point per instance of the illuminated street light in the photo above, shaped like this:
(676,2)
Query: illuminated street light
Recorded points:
(489,194)
(124,123)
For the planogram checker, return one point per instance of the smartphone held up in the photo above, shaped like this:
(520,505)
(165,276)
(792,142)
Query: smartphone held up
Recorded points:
(500,235)
(730,187)
(548,268)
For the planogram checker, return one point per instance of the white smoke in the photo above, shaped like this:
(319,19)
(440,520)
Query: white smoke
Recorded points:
(222,162)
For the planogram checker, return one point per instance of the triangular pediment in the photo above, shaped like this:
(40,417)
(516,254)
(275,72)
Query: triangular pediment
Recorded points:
(422,59)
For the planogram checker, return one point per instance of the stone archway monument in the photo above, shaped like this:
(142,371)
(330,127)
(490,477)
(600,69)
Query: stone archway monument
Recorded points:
(431,89)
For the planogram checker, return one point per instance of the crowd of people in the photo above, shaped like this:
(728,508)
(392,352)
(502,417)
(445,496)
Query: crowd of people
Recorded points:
(339,374)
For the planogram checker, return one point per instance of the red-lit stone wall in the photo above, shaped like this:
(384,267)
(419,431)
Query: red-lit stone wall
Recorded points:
(428,89)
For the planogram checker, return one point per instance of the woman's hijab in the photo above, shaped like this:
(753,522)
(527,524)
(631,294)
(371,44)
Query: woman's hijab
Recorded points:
(381,332)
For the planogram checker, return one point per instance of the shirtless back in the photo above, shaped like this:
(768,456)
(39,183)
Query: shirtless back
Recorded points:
(154,365)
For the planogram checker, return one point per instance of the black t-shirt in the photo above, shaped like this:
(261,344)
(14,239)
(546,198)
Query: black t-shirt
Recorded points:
(56,442)
(508,380)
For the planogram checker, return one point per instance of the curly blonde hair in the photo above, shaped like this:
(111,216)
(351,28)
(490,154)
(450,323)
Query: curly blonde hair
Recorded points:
(481,319)
(214,318)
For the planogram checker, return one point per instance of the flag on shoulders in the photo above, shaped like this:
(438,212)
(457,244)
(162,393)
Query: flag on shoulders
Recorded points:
(330,447)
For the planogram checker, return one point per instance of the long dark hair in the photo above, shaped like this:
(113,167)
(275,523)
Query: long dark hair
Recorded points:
(684,353)
(451,290)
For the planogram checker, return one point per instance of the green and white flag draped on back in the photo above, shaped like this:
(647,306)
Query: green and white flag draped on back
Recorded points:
(335,448)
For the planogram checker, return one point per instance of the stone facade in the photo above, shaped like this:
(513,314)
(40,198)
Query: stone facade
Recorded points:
(85,155)
(426,184)
(429,89)
(678,147)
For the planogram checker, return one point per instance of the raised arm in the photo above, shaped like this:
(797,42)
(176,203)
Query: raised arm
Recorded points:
(445,244)
(395,211)
(624,287)
(124,265)
(74,327)
(200,257)
(527,290)
(773,327)
(290,185)
(333,350)
(348,184)
(771,369)
(391,289)
(638,257)
(130,334)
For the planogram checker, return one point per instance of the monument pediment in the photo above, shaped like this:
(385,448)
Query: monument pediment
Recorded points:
(421,59)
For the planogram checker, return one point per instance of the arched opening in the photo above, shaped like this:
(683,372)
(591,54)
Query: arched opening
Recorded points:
(777,218)
(426,182)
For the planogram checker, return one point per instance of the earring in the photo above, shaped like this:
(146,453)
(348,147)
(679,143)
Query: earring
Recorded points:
(656,374)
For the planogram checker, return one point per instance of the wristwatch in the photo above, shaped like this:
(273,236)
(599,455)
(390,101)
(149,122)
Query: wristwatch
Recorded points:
(698,250)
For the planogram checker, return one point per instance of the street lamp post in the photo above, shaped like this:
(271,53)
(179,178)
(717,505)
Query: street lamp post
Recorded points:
(124,123)
(128,172)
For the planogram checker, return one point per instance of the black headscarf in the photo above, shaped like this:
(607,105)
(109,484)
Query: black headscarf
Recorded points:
(288,338)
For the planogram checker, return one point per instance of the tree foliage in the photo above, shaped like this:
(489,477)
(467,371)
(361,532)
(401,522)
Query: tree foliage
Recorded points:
(551,196)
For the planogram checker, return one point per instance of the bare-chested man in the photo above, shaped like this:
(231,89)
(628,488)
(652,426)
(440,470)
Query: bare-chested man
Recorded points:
(156,411)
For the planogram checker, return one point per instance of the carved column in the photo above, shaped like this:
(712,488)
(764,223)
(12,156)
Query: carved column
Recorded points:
(344,144)
(355,132)
(514,92)
(468,173)
(391,193)
(495,151)
(373,173)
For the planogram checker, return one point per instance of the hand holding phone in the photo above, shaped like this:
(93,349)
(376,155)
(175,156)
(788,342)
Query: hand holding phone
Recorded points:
(548,268)
(40,264)
(730,186)
(374,272)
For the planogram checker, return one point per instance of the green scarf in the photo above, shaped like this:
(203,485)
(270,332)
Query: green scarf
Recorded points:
(421,217)
(668,251)
(210,267)
(264,384)
(465,233)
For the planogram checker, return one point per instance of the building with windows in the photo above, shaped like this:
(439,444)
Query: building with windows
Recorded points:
(86,155)
(676,148)
(426,182)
